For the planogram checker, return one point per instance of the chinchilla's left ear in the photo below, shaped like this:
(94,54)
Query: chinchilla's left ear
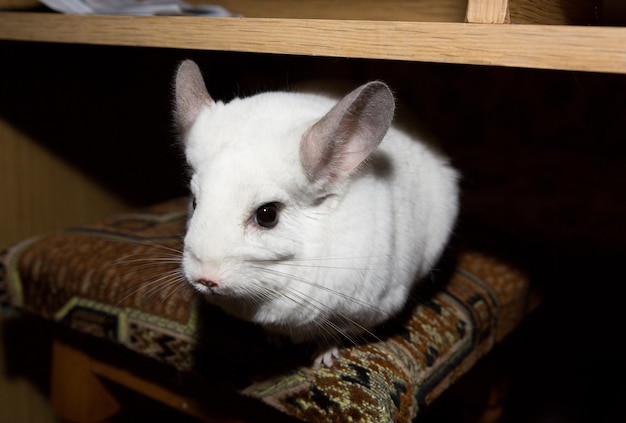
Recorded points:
(340,141)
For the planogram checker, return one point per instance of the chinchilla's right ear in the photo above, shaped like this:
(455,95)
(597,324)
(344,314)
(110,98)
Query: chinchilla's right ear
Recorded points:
(190,94)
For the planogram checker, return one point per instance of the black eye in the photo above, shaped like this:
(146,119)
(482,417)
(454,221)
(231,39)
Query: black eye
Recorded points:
(266,216)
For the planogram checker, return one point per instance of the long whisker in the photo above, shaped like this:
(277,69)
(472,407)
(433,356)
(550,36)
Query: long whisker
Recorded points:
(161,283)
(328,327)
(180,285)
(320,306)
(335,258)
(157,246)
(134,289)
(165,250)
(324,288)
(324,258)
(137,258)
(317,266)
(323,307)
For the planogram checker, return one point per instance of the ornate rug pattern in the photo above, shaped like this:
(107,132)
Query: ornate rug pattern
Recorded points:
(118,280)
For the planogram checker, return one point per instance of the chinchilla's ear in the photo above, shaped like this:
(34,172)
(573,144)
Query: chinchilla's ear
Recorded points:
(190,95)
(340,141)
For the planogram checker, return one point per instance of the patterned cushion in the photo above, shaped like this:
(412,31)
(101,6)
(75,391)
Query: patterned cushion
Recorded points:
(118,280)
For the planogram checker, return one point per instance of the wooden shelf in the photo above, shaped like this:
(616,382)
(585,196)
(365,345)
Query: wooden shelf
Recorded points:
(583,48)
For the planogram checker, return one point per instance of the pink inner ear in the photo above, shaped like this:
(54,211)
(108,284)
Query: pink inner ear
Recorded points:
(339,142)
(191,95)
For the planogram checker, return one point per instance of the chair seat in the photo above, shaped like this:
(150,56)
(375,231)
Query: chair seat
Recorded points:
(118,280)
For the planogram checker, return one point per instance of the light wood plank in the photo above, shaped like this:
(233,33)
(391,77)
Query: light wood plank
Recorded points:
(153,390)
(77,394)
(488,11)
(598,49)
(40,192)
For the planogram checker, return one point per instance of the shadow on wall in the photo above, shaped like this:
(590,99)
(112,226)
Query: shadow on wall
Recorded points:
(104,111)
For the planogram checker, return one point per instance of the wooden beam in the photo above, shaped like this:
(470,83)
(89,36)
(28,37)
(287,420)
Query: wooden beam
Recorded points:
(77,394)
(594,49)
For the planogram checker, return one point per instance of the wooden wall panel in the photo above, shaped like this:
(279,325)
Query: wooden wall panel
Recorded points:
(40,192)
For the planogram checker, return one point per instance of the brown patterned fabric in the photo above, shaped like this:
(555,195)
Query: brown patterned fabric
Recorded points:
(118,280)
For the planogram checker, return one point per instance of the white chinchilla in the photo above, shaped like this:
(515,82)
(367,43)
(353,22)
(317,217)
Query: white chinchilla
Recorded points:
(312,216)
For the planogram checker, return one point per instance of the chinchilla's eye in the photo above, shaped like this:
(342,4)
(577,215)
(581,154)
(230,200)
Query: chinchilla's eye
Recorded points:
(266,216)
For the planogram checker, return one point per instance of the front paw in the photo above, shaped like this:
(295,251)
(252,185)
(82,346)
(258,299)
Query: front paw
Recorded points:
(325,357)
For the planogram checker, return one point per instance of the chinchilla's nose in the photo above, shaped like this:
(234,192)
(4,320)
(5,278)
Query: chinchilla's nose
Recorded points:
(202,271)
(209,283)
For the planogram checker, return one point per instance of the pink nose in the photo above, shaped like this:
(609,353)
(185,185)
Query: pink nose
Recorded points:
(208,283)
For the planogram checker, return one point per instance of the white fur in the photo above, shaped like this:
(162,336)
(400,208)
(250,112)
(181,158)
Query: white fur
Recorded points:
(336,264)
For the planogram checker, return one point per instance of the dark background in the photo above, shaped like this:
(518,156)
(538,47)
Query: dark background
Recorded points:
(542,155)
